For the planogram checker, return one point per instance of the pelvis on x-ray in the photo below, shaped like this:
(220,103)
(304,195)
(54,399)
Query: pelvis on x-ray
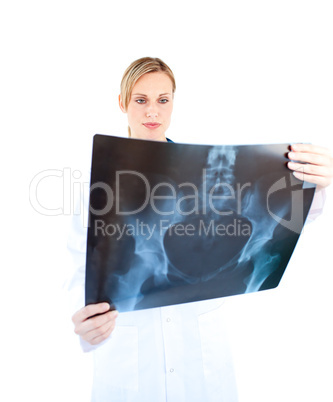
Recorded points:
(176,223)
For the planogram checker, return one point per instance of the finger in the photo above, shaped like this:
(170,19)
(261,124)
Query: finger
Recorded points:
(104,333)
(319,180)
(315,159)
(90,310)
(309,169)
(101,332)
(95,323)
(310,148)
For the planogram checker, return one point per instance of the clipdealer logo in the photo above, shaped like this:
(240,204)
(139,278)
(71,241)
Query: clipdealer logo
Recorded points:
(75,192)
(296,221)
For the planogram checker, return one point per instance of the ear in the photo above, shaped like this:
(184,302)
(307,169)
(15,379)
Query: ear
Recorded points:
(121,104)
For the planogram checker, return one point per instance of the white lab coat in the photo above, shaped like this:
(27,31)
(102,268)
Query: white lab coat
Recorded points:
(176,353)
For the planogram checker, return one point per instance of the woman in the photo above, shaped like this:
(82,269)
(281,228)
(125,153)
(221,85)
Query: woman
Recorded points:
(176,353)
(147,98)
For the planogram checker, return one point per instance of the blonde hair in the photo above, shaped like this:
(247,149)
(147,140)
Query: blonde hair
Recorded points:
(135,71)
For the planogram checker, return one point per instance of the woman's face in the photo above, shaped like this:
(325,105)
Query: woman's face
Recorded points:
(150,107)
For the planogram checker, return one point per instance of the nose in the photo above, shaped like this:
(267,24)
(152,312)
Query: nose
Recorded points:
(152,114)
(151,111)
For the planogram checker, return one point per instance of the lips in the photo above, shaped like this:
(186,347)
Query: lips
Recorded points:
(151,125)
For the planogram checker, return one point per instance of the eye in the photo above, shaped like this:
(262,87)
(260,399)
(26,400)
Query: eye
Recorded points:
(164,100)
(140,101)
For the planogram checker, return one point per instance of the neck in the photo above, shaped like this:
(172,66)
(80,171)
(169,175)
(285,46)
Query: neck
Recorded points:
(160,138)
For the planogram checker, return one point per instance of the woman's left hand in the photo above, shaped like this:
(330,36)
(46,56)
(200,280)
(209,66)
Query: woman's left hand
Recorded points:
(311,163)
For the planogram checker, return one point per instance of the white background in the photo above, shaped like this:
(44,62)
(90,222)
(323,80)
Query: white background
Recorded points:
(246,72)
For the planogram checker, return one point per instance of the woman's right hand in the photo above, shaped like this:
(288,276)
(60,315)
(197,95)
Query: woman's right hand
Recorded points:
(95,329)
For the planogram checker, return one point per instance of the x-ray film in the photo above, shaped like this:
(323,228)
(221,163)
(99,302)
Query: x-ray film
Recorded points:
(175,223)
